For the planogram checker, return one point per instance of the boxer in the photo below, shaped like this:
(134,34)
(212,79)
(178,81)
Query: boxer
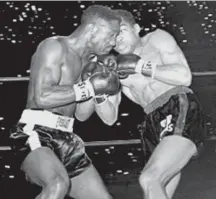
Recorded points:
(155,74)
(50,153)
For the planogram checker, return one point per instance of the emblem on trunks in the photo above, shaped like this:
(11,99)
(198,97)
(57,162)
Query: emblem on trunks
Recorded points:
(166,125)
(63,122)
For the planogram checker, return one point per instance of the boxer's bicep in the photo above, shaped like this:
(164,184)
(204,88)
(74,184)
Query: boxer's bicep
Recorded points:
(168,48)
(174,56)
(49,64)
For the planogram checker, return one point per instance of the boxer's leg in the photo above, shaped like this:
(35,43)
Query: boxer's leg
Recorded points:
(44,168)
(89,185)
(172,185)
(167,160)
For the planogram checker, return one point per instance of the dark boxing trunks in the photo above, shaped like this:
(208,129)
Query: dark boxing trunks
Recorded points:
(53,131)
(176,112)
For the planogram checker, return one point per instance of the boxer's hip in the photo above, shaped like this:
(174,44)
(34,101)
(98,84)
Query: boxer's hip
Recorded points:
(178,112)
(45,129)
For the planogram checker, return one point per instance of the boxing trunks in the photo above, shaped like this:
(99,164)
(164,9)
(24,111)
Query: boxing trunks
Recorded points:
(41,128)
(176,112)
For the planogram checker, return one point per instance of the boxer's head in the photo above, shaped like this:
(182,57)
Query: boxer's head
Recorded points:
(102,27)
(128,37)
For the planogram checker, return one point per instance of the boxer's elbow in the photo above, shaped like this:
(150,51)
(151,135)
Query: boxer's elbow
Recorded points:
(82,117)
(183,76)
(42,101)
(110,120)
(187,78)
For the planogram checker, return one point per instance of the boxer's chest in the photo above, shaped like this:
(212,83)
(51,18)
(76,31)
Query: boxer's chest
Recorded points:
(70,68)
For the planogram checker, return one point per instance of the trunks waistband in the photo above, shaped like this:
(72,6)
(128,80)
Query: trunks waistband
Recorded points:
(47,119)
(161,100)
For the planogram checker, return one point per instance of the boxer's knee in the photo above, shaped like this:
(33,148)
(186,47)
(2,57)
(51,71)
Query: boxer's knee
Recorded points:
(150,178)
(61,183)
(57,187)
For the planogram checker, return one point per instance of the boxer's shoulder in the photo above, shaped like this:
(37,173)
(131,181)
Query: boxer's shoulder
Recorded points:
(51,45)
(162,40)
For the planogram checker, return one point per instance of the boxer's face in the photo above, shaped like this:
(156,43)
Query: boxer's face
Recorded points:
(105,39)
(127,39)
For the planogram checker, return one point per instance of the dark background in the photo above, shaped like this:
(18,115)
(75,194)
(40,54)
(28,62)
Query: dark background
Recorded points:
(25,24)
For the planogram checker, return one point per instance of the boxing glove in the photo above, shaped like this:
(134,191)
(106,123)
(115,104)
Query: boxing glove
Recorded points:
(99,83)
(131,64)
(92,68)
(109,61)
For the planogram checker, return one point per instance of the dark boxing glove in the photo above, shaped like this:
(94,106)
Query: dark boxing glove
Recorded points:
(109,61)
(100,83)
(99,63)
(92,68)
(130,64)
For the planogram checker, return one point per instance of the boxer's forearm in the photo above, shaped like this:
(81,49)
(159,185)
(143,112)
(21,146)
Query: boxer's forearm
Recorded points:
(108,110)
(55,96)
(84,110)
(175,74)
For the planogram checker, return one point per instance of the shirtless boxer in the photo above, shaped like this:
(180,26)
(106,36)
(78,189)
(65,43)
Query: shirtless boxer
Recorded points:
(50,153)
(173,128)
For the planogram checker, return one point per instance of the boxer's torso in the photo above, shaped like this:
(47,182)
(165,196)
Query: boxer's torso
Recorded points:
(141,89)
(70,68)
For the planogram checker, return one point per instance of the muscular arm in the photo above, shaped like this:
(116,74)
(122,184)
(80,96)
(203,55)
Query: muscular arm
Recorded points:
(174,69)
(48,92)
(108,111)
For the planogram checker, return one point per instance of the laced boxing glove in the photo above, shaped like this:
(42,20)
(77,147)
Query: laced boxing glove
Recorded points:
(130,64)
(99,83)
(99,63)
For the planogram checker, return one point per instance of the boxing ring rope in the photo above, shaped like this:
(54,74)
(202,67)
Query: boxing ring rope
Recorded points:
(17,79)
(97,143)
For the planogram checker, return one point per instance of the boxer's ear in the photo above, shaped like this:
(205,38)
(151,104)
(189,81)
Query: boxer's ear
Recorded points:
(92,28)
(137,28)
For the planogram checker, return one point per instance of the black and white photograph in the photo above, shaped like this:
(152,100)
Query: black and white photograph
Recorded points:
(108,99)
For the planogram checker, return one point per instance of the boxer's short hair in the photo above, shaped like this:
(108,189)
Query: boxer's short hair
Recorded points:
(126,16)
(95,12)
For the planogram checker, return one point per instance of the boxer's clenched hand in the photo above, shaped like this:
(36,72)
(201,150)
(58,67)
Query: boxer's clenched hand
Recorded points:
(130,64)
(92,68)
(101,81)
(105,83)
(109,61)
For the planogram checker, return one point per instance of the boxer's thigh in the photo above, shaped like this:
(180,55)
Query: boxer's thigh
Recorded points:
(89,185)
(168,158)
(42,166)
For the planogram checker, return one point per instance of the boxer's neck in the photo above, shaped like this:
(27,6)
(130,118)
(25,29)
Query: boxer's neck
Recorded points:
(78,41)
(139,47)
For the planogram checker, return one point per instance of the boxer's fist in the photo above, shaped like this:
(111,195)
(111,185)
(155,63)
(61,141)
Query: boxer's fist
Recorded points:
(131,64)
(109,61)
(127,64)
(90,69)
(105,83)
(100,83)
